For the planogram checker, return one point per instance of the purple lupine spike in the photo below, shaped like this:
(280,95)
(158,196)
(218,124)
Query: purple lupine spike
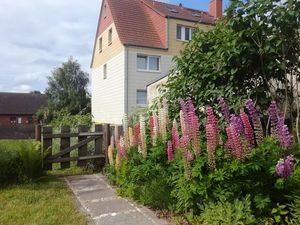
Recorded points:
(224,109)
(247,129)
(283,135)
(237,123)
(212,119)
(284,168)
(236,145)
(254,115)
(170,151)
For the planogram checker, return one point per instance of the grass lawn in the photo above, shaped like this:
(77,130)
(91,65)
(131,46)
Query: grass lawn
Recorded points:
(45,202)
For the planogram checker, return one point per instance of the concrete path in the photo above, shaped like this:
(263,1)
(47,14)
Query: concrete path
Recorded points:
(99,200)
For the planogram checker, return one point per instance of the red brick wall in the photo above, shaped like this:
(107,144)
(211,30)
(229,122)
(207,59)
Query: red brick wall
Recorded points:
(159,23)
(216,8)
(5,120)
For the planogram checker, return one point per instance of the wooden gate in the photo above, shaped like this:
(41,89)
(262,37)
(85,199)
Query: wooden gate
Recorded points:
(100,138)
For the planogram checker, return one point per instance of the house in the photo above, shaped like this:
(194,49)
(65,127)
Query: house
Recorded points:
(134,46)
(19,108)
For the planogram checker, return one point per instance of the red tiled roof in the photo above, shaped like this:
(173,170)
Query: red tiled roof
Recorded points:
(182,12)
(133,24)
(136,27)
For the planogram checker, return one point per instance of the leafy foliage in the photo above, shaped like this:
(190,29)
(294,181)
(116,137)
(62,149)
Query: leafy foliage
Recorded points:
(67,89)
(19,161)
(64,118)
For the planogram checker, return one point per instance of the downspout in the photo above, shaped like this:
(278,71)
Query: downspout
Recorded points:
(168,32)
(126,80)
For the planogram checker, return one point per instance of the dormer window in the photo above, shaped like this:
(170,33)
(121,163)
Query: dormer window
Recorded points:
(172,10)
(195,15)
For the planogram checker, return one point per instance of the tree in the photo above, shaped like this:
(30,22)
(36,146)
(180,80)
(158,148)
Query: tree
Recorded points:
(67,88)
(252,52)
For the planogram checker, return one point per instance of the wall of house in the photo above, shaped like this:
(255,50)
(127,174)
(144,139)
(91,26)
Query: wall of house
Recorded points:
(138,80)
(108,94)
(5,119)
(153,90)
(175,46)
(108,51)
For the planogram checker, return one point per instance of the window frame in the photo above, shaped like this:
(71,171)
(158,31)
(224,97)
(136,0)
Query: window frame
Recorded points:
(141,104)
(100,44)
(183,33)
(148,63)
(105,71)
(110,36)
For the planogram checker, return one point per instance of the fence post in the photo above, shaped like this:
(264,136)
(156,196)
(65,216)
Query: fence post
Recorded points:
(38,130)
(98,145)
(82,151)
(65,143)
(106,140)
(47,147)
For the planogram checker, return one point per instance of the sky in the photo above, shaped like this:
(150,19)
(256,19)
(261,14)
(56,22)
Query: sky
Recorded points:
(36,36)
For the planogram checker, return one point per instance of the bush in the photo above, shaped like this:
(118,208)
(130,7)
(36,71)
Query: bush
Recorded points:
(19,161)
(226,213)
(64,118)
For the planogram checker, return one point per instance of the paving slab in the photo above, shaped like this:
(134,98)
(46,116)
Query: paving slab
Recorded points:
(101,203)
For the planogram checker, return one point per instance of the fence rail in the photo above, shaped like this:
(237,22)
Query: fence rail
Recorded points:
(100,138)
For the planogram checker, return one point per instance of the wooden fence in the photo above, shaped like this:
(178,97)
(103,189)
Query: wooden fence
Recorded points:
(17,131)
(100,138)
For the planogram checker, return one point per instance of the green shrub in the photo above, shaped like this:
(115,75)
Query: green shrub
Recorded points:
(227,213)
(64,118)
(19,161)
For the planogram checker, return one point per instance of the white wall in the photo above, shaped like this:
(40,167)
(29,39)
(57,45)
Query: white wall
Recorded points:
(139,80)
(108,94)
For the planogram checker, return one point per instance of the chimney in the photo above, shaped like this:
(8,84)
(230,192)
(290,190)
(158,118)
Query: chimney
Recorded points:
(216,8)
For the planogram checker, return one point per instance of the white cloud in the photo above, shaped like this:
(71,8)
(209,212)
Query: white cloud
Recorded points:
(37,35)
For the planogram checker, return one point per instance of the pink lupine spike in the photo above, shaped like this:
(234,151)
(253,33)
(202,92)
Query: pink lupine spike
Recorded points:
(249,133)
(175,136)
(170,151)
(211,145)
(236,144)
(184,142)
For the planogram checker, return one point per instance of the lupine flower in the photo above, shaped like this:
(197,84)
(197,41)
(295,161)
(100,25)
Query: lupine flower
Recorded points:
(211,145)
(212,119)
(237,123)
(110,155)
(155,129)
(273,114)
(234,143)
(125,123)
(247,129)
(184,119)
(184,142)
(136,134)
(283,134)
(112,142)
(254,115)
(284,168)
(162,123)
(170,151)
(166,110)
(143,136)
(175,136)
(194,127)
(122,149)
(224,109)
(130,134)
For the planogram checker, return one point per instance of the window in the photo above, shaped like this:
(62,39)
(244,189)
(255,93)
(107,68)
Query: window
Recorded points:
(148,63)
(110,36)
(104,12)
(141,97)
(19,120)
(13,119)
(184,33)
(100,45)
(30,120)
(104,71)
